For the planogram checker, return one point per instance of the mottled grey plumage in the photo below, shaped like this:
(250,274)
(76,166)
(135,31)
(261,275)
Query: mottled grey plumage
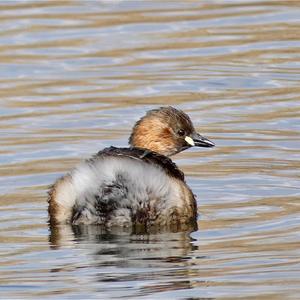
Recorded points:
(123,200)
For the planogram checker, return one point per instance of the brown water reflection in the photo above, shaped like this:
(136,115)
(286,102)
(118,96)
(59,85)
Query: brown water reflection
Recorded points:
(74,77)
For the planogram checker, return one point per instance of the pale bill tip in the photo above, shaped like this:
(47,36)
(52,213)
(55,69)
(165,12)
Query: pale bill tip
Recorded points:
(190,141)
(210,142)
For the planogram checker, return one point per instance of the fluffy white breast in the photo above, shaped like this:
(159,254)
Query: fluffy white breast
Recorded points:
(140,178)
(130,183)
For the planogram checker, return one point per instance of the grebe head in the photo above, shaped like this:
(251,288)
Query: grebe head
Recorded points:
(166,130)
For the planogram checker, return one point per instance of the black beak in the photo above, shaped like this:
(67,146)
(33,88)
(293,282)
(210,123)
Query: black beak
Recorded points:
(201,141)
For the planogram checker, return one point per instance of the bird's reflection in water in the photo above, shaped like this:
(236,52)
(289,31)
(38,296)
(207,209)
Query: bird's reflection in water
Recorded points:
(175,240)
(124,256)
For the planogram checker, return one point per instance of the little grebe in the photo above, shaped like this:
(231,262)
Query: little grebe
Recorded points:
(136,185)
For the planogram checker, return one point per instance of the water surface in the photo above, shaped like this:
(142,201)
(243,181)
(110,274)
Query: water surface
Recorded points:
(76,75)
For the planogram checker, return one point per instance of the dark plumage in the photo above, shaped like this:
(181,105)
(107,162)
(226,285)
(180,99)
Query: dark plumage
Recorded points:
(144,155)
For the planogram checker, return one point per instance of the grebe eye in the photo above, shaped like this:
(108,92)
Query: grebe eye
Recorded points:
(181,132)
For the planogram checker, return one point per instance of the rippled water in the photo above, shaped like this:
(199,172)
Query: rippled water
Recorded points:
(74,77)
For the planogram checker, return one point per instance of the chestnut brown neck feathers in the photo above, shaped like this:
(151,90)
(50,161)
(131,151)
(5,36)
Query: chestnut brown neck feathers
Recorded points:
(162,130)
